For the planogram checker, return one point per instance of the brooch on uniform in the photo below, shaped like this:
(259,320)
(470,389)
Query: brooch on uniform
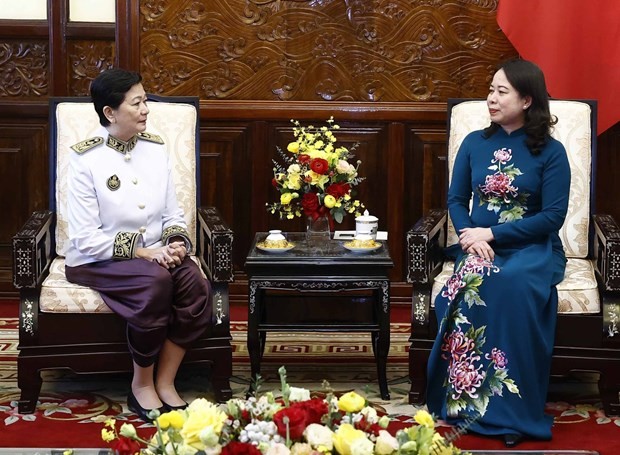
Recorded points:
(113,183)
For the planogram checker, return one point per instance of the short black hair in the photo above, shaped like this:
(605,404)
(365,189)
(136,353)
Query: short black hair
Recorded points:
(109,89)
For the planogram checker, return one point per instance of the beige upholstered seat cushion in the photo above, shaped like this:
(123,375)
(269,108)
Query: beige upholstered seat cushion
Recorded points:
(578,291)
(175,123)
(60,296)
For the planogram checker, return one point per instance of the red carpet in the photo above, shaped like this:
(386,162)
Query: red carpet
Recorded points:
(72,407)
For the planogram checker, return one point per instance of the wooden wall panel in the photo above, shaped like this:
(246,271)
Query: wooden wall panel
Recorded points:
(23,69)
(321,50)
(85,60)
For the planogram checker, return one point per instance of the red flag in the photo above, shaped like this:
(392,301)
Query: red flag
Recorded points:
(577,45)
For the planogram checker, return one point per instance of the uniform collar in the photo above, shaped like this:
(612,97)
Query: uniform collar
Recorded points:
(123,147)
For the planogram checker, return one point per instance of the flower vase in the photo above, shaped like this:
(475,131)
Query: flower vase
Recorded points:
(317,231)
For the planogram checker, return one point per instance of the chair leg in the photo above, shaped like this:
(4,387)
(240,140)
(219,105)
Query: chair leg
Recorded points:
(417,376)
(221,388)
(29,381)
(609,389)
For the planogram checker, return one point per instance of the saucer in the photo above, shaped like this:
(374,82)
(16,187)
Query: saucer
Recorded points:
(268,249)
(361,249)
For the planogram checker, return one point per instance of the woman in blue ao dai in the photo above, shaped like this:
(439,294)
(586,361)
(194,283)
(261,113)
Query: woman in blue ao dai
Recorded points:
(489,367)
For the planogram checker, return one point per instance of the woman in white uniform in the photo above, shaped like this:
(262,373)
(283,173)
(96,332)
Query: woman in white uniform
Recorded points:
(129,240)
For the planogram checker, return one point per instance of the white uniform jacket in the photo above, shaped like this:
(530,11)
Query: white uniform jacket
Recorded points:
(121,197)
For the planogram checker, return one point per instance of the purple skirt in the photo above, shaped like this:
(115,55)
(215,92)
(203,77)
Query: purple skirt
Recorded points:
(157,303)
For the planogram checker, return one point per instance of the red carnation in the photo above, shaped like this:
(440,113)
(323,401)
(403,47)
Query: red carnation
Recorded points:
(338,190)
(303,158)
(320,166)
(240,448)
(310,204)
(296,421)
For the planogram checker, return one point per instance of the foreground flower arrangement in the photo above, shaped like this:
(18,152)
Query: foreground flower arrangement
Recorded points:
(295,424)
(316,177)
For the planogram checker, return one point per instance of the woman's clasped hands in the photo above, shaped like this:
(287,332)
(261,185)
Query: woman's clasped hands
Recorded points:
(477,241)
(168,256)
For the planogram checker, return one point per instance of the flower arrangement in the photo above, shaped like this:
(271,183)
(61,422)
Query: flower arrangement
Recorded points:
(316,178)
(295,424)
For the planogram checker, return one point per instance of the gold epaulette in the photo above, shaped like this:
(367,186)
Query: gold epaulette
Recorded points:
(88,144)
(151,137)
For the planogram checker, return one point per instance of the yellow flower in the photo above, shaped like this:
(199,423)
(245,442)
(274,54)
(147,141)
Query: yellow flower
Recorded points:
(345,436)
(424,418)
(286,198)
(329,201)
(201,414)
(107,435)
(293,147)
(351,402)
(173,419)
(293,182)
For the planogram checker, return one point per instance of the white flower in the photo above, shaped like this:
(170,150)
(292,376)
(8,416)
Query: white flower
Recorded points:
(299,394)
(362,446)
(344,167)
(278,449)
(386,443)
(319,435)
(294,169)
(370,414)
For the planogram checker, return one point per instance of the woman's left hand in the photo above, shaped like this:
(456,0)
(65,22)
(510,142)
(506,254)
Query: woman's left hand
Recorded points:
(178,251)
(470,236)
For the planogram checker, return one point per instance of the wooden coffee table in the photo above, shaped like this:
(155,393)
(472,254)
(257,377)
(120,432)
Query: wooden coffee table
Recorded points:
(320,271)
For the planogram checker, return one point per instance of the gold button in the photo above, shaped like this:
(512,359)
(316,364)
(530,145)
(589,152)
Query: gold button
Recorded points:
(142,230)
(141,206)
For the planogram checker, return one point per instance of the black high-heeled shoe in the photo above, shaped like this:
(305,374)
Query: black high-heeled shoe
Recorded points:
(169,407)
(512,439)
(135,407)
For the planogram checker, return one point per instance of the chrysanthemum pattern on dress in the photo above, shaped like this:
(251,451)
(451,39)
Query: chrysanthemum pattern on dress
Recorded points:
(474,376)
(499,191)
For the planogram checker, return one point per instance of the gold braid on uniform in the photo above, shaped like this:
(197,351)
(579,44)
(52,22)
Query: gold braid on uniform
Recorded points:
(176,231)
(125,244)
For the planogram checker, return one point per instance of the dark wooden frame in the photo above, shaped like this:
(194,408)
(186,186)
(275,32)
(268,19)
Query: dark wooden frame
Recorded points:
(583,342)
(96,343)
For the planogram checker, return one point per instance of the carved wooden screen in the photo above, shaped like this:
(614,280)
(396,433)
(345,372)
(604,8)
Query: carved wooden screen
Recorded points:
(345,50)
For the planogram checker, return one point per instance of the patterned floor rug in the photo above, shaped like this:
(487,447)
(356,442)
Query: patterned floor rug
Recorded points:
(72,407)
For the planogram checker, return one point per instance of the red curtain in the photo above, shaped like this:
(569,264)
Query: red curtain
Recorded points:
(577,45)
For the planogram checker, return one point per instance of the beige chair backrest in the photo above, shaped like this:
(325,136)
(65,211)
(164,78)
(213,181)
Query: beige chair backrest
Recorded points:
(574,130)
(174,122)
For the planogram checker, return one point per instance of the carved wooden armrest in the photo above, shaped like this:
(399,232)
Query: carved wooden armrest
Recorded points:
(32,250)
(215,240)
(607,251)
(607,265)
(425,242)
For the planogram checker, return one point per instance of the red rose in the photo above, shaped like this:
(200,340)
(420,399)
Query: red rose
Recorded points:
(310,204)
(303,158)
(274,182)
(314,409)
(338,190)
(296,421)
(319,165)
(126,446)
(240,448)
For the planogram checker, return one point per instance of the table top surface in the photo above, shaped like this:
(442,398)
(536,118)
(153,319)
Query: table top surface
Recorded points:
(329,252)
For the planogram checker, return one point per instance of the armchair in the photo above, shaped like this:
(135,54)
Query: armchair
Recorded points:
(66,326)
(587,335)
